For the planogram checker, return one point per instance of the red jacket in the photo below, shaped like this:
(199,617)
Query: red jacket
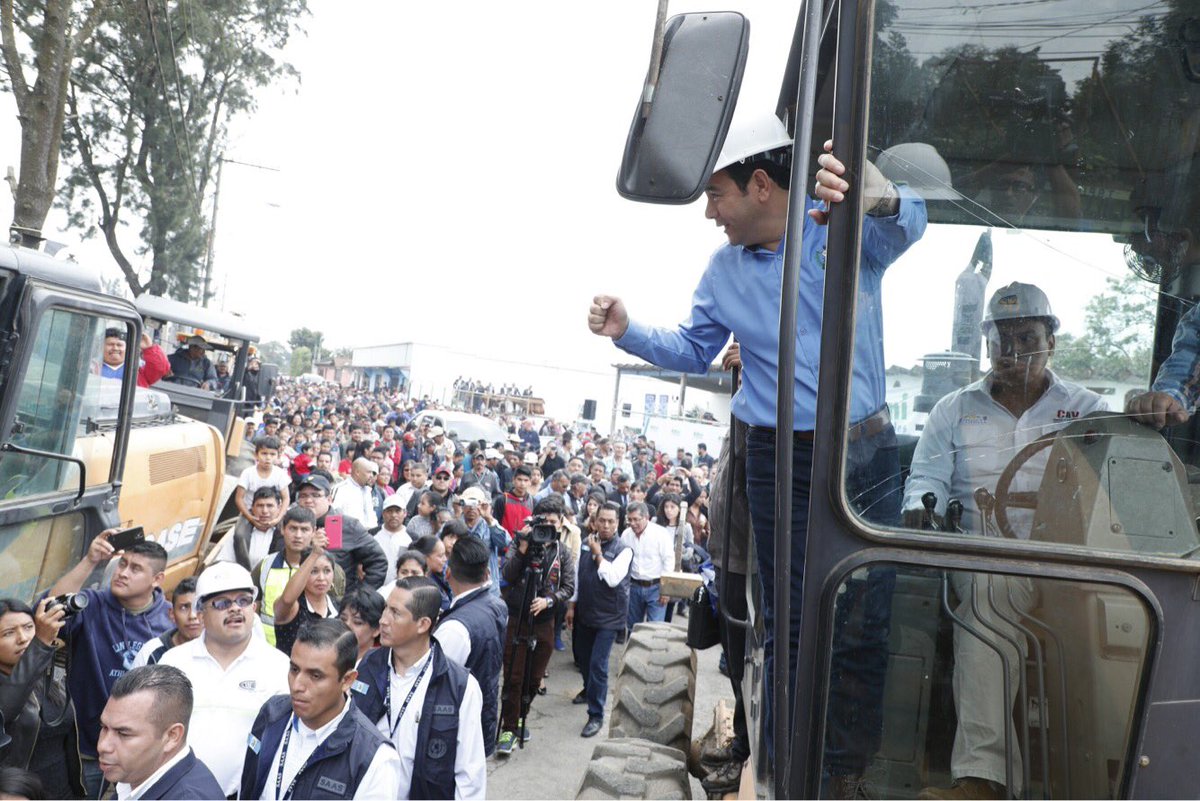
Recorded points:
(154,367)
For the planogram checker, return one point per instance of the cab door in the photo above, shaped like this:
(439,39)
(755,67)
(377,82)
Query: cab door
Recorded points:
(1044,638)
(60,465)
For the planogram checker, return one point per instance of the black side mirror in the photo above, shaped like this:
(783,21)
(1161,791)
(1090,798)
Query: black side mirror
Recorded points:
(677,135)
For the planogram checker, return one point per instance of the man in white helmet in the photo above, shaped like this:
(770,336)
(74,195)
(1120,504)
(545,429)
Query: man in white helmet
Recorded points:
(970,437)
(747,196)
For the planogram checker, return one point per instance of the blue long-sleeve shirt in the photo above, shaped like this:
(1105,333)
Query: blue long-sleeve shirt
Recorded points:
(739,294)
(1179,375)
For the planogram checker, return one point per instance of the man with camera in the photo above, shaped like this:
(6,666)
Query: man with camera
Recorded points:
(108,630)
(540,574)
(477,515)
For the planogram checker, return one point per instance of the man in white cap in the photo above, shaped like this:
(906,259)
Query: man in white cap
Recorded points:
(391,536)
(232,671)
(748,196)
(967,442)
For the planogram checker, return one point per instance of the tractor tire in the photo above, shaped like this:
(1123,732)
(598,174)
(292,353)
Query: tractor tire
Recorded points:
(655,687)
(635,769)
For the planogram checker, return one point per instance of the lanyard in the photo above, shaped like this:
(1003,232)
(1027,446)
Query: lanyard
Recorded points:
(388,698)
(287,736)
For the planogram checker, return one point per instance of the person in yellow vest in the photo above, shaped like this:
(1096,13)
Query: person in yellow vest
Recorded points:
(272,574)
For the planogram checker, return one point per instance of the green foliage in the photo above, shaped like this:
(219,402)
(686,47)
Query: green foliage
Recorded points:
(1118,337)
(307,338)
(151,96)
(301,361)
(274,353)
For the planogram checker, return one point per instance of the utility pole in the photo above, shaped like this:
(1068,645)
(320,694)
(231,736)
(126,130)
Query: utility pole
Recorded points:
(212,227)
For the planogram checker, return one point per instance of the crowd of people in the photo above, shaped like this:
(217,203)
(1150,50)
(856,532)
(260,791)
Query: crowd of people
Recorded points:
(363,628)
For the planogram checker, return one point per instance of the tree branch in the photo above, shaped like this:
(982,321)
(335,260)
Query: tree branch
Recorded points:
(12,59)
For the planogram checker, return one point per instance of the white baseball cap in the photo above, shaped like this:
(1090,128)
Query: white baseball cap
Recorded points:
(531,458)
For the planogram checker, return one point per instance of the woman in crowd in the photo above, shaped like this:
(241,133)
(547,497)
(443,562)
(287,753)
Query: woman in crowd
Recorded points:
(435,557)
(425,520)
(361,610)
(306,595)
(38,715)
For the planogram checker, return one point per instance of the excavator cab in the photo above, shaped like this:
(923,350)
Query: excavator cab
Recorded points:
(1036,631)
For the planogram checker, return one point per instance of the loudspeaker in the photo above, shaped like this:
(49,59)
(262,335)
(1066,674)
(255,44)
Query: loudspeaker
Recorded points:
(589,409)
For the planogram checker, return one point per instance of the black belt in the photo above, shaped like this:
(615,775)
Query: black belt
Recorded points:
(646,582)
(867,427)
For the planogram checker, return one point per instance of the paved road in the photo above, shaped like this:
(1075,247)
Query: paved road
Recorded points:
(556,757)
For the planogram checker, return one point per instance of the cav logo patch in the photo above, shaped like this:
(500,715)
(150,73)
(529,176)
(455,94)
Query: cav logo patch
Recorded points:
(437,748)
(1010,303)
(254,743)
(973,419)
(249,684)
(360,687)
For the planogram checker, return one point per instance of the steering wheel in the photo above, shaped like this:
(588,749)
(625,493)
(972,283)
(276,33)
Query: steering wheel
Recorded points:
(1004,498)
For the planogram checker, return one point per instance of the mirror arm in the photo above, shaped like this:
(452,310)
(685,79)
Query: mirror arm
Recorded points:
(660,24)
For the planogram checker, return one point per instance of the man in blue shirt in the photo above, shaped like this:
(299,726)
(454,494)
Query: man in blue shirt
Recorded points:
(739,293)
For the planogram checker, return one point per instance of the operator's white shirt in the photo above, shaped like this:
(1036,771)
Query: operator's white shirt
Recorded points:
(970,438)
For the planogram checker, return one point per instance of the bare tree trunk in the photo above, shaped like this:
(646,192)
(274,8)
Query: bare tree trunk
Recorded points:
(41,108)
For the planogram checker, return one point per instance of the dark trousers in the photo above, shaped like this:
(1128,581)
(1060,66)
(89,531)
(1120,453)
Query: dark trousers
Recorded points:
(863,615)
(595,646)
(733,642)
(514,665)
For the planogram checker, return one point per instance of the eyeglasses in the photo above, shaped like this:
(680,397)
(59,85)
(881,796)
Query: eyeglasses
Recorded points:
(221,604)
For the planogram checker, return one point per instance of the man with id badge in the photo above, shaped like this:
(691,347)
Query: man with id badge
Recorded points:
(428,706)
(313,742)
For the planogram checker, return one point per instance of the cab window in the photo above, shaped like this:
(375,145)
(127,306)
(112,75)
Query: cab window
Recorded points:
(61,395)
(996,355)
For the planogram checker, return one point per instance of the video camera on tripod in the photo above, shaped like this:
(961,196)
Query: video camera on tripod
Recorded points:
(540,533)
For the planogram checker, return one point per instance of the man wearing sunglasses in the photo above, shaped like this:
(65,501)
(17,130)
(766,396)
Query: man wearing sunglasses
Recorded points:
(233,672)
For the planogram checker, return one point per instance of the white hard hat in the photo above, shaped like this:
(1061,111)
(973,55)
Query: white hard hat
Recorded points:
(1017,301)
(224,577)
(750,135)
(920,167)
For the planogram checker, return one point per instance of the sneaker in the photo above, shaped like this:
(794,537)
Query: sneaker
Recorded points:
(967,787)
(523,733)
(559,645)
(504,745)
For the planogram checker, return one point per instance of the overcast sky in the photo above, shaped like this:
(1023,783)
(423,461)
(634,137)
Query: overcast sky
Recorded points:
(446,174)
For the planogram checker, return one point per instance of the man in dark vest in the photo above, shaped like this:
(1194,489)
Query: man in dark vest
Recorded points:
(143,746)
(599,610)
(313,743)
(471,632)
(428,706)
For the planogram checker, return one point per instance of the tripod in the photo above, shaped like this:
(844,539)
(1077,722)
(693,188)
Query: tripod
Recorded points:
(526,642)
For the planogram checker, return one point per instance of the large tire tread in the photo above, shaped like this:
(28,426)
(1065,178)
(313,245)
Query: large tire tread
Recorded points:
(655,689)
(628,768)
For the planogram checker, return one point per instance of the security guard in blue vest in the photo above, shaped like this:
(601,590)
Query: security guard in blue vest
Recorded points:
(427,705)
(313,742)
(471,631)
(599,610)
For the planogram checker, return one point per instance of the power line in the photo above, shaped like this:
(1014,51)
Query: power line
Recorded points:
(187,135)
(192,184)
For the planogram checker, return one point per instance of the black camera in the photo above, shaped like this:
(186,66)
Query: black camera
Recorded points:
(541,531)
(71,602)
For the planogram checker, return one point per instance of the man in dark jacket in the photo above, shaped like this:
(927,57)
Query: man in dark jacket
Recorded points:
(535,587)
(471,632)
(143,741)
(106,635)
(313,742)
(359,549)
